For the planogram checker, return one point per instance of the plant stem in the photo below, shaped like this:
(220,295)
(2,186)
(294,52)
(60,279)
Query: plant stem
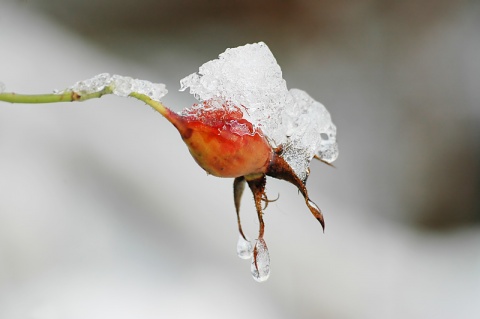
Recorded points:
(65,96)
(157,106)
(71,96)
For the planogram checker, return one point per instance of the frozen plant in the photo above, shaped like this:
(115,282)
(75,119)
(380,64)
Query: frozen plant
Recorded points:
(246,125)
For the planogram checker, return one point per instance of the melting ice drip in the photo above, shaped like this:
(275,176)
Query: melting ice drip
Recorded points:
(120,85)
(249,76)
(260,259)
(244,248)
(260,266)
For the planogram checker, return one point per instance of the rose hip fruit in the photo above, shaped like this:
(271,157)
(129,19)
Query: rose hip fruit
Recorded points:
(222,142)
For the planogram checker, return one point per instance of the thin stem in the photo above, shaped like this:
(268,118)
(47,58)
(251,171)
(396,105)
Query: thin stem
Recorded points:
(72,96)
(66,96)
(157,106)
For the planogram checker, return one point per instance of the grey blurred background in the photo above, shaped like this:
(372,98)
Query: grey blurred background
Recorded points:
(104,214)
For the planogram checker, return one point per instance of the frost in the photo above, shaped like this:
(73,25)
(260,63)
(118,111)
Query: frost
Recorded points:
(2,87)
(249,77)
(260,266)
(120,85)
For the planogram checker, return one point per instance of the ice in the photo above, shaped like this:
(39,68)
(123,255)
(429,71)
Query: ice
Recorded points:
(124,85)
(95,84)
(2,87)
(244,248)
(310,132)
(249,77)
(260,266)
(239,128)
(120,85)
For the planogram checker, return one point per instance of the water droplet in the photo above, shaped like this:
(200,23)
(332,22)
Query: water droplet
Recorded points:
(260,267)
(244,248)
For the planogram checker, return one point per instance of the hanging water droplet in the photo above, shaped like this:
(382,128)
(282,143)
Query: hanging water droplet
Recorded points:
(260,267)
(244,248)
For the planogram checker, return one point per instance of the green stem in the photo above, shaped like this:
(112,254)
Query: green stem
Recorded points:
(66,96)
(157,106)
(71,96)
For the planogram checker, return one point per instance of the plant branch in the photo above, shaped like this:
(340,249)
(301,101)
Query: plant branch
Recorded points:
(72,96)
(156,105)
(65,96)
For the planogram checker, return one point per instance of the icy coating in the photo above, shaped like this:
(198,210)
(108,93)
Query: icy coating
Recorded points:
(120,85)
(249,76)
(2,87)
(260,266)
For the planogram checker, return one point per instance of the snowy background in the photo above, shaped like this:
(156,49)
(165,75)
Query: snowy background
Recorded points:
(104,214)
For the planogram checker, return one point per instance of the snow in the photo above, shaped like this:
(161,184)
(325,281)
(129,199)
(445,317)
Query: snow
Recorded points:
(249,77)
(121,86)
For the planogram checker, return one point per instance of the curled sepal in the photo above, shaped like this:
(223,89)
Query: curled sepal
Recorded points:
(280,169)
(238,188)
(260,267)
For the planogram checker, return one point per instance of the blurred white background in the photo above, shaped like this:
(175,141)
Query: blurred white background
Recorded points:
(104,214)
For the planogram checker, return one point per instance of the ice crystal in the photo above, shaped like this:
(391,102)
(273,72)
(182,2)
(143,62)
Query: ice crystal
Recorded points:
(249,77)
(120,85)
(2,87)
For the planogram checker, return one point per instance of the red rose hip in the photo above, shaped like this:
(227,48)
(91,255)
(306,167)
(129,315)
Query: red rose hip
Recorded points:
(222,142)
